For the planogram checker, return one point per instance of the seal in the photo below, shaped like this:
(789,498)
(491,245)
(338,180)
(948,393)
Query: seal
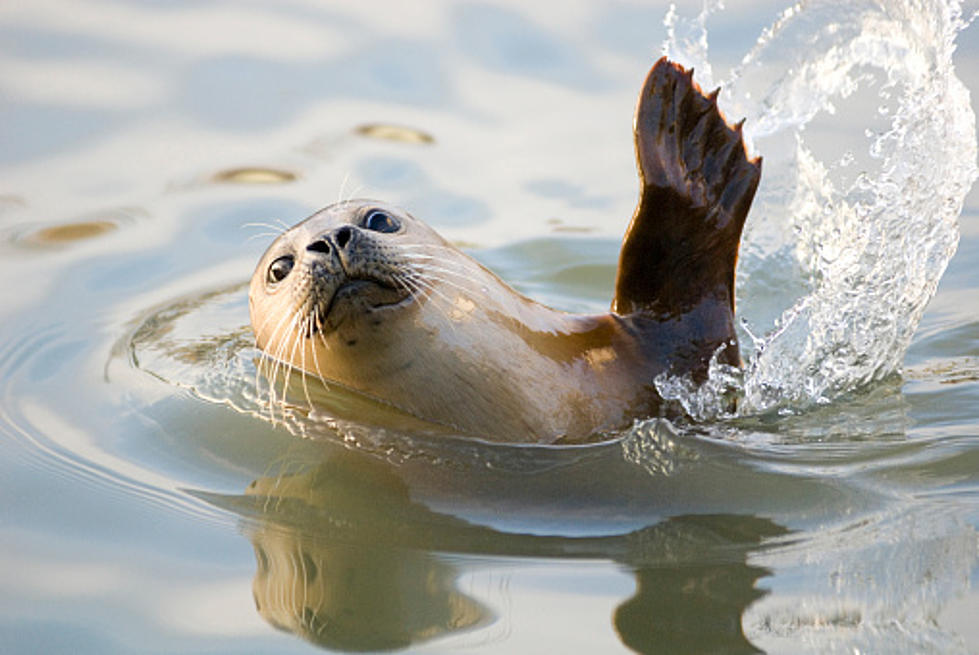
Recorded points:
(363,295)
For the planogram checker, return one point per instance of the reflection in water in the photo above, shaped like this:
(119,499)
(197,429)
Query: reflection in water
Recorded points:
(691,599)
(57,234)
(387,132)
(254,175)
(96,458)
(348,560)
(82,228)
(328,571)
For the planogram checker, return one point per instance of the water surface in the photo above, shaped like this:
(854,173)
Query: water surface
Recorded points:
(155,502)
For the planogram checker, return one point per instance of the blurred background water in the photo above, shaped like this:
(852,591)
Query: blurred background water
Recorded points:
(150,505)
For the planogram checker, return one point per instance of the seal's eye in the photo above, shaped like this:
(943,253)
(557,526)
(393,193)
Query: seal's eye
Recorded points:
(279,269)
(380,221)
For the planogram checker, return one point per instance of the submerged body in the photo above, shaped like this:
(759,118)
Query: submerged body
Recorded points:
(363,295)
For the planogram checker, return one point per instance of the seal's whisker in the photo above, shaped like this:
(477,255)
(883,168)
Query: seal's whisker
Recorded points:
(300,342)
(344,198)
(268,364)
(272,375)
(264,235)
(429,274)
(429,251)
(279,362)
(424,257)
(427,269)
(302,369)
(289,368)
(427,246)
(326,346)
(436,264)
(439,301)
(276,229)
(421,283)
(343,185)
(286,319)
(343,201)
(285,366)
(402,280)
(406,282)
(414,289)
(433,294)
(319,331)
(316,363)
(261,325)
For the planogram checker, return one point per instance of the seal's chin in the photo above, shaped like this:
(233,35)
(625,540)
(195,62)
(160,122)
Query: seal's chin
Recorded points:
(359,298)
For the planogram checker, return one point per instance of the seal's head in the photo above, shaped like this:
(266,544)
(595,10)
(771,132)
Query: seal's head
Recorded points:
(346,266)
(363,296)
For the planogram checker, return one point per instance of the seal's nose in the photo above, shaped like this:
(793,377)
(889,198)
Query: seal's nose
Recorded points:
(338,240)
(342,236)
(320,245)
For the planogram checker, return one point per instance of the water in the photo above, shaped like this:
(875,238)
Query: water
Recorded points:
(154,503)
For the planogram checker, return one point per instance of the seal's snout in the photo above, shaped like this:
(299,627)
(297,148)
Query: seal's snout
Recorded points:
(338,240)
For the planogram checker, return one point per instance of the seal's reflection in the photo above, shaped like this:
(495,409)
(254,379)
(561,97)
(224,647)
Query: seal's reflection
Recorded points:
(356,596)
(327,571)
(348,560)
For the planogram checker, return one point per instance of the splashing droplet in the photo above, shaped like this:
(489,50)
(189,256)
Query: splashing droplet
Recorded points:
(860,228)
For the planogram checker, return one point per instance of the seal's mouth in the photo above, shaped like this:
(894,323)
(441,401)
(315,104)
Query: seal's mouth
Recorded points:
(357,296)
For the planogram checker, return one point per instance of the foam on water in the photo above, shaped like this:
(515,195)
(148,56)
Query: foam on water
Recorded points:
(870,148)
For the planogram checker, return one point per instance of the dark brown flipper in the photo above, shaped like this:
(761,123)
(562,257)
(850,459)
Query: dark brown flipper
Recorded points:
(697,184)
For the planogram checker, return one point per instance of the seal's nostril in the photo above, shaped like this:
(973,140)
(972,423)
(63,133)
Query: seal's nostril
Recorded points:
(342,236)
(319,246)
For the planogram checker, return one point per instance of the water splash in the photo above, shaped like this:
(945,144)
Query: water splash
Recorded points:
(870,148)
(686,40)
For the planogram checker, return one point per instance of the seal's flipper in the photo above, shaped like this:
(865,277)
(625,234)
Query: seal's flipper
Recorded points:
(697,184)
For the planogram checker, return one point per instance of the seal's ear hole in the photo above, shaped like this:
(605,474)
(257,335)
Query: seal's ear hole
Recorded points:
(280,268)
(380,221)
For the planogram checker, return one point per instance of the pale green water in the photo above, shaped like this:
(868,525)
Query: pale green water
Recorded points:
(149,504)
